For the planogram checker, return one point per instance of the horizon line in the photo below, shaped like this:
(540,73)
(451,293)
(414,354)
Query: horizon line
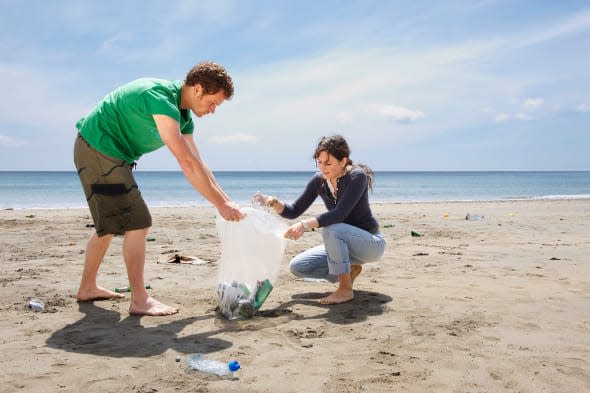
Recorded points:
(311,171)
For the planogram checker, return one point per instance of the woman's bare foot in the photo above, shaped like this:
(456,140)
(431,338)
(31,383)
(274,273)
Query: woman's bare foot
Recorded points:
(341,295)
(97,293)
(151,307)
(355,270)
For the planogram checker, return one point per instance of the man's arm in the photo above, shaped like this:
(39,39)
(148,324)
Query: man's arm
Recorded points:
(188,138)
(194,168)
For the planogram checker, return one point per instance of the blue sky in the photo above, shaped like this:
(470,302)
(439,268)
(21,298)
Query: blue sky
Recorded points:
(420,85)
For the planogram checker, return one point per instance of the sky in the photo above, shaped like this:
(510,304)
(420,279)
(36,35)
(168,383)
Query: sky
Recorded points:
(412,85)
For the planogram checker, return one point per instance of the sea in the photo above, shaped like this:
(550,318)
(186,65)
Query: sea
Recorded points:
(62,190)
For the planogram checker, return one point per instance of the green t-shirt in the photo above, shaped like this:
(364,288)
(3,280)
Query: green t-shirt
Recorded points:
(122,125)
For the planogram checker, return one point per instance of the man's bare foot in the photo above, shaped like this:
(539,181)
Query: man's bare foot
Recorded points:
(355,270)
(340,296)
(151,307)
(98,293)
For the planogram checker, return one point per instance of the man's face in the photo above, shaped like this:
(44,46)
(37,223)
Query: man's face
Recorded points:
(206,103)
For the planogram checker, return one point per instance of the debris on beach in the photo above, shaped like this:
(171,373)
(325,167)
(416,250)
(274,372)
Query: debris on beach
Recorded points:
(474,217)
(36,305)
(184,259)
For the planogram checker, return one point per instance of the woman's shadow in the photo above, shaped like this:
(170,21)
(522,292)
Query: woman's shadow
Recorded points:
(364,305)
(101,332)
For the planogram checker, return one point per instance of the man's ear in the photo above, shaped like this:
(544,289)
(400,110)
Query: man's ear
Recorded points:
(198,90)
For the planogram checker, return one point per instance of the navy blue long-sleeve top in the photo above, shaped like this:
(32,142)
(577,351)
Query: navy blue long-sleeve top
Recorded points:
(351,205)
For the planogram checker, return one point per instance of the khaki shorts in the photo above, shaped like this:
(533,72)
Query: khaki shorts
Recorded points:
(114,200)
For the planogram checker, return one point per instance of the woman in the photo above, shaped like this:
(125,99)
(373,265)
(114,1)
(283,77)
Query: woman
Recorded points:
(349,230)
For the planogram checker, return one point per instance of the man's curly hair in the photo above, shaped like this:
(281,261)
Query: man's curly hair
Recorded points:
(212,77)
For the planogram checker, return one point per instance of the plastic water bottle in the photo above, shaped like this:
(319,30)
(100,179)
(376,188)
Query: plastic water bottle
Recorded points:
(229,297)
(473,217)
(213,368)
(36,305)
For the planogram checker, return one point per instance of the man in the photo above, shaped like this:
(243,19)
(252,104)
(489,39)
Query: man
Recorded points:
(135,119)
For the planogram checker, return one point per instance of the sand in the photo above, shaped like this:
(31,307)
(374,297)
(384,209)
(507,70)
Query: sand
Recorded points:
(496,305)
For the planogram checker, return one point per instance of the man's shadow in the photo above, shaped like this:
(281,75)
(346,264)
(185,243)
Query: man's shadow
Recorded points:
(101,332)
(364,305)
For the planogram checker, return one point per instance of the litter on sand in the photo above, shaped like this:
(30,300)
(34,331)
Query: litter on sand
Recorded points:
(237,299)
(128,288)
(185,259)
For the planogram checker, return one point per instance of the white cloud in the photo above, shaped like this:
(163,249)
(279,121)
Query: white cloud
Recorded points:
(236,138)
(583,108)
(502,117)
(119,42)
(532,103)
(522,116)
(398,113)
(529,105)
(578,23)
(7,141)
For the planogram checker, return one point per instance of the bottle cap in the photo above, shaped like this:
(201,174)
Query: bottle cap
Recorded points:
(233,365)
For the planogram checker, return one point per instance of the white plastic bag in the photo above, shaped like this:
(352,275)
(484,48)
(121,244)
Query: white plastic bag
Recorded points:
(251,254)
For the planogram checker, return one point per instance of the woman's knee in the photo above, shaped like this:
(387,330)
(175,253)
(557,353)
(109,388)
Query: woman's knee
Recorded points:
(310,262)
(296,267)
(332,232)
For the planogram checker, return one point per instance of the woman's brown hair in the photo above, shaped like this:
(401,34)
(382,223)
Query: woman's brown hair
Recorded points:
(337,146)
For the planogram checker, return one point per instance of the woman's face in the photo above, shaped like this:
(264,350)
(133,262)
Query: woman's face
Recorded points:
(330,167)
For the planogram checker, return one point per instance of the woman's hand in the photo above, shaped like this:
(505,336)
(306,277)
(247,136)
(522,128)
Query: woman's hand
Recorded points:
(295,231)
(263,200)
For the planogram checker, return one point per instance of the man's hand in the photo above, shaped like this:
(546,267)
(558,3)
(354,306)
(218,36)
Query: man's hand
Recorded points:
(231,212)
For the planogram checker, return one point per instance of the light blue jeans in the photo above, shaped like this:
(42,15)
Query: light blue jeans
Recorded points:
(344,245)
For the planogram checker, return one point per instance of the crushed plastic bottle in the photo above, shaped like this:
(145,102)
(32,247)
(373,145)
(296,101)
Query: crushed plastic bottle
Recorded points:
(36,305)
(259,202)
(312,279)
(212,368)
(474,217)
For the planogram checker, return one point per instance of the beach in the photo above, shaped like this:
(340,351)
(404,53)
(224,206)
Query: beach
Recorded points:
(500,304)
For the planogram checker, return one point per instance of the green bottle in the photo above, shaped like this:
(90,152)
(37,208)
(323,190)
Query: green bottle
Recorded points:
(263,290)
